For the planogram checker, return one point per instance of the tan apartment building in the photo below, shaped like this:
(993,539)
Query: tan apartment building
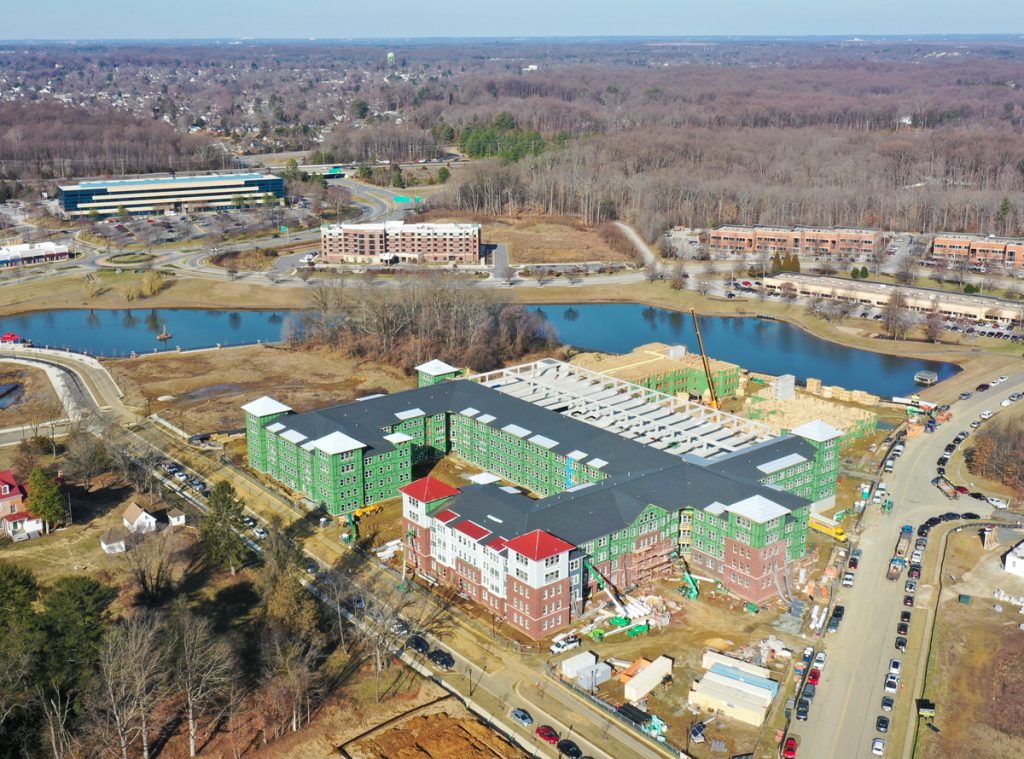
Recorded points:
(389,241)
(979,250)
(843,241)
(878,295)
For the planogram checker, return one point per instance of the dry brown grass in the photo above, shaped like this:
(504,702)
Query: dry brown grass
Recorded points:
(245,260)
(39,402)
(533,239)
(210,386)
(974,671)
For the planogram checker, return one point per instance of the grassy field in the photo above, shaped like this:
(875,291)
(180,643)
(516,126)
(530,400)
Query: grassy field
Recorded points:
(974,668)
(39,402)
(178,292)
(245,260)
(209,387)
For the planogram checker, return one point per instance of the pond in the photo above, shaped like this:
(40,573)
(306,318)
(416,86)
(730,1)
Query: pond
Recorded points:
(119,332)
(761,345)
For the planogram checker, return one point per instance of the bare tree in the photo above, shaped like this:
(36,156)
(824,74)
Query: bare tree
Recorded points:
(204,666)
(57,708)
(651,272)
(152,560)
(337,588)
(85,457)
(935,325)
(114,705)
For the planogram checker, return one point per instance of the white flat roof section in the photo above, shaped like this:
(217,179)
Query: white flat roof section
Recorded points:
(469,411)
(397,437)
(543,442)
(576,455)
(265,406)
(758,509)
(436,368)
(484,478)
(410,413)
(276,427)
(818,431)
(515,429)
(338,442)
(487,418)
(597,463)
(293,437)
(770,467)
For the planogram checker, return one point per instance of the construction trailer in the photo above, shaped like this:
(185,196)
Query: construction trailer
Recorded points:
(592,677)
(647,679)
(572,666)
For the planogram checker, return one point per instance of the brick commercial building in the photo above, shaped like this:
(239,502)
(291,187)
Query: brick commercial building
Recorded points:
(624,480)
(812,241)
(979,250)
(390,241)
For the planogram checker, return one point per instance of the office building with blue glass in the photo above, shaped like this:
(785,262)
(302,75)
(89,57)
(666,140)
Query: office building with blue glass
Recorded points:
(182,194)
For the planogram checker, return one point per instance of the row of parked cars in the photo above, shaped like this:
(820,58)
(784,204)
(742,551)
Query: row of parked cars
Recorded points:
(174,470)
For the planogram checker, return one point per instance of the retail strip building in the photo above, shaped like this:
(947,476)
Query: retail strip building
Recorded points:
(612,480)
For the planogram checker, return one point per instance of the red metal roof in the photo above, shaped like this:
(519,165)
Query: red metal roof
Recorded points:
(21,515)
(538,545)
(472,529)
(427,489)
(498,544)
(7,478)
(445,516)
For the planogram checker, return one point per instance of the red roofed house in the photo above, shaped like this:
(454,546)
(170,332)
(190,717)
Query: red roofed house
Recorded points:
(523,579)
(17,523)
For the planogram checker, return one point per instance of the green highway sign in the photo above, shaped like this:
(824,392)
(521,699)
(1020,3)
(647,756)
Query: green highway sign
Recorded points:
(402,198)
(284,228)
(418,199)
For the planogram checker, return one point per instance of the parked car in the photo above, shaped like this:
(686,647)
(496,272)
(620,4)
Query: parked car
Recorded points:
(887,703)
(901,644)
(965,395)
(442,659)
(999,503)
(814,676)
(895,666)
(810,691)
(961,489)
(547,734)
(882,724)
(914,572)
(910,587)
(854,562)
(982,387)
(521,716)
(970,515)
(917,555)
(789,750)
(905,616)
(569,748)
(819,660)
(311,566)
(908,601)
(180,476)
(848,580)
(902,628)
(419,644)
(249,522)
(892,683)
(878,747)
(803,707)
(979,496)
(986,414)
(260,533)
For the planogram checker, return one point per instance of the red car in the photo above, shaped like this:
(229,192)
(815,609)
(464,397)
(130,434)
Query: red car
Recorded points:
(961,489)
(814,676)
(547,734)
(789,752)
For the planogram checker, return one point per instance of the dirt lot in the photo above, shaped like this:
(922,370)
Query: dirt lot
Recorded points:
(713,621)
(208,387)
(38,402)
(444,730)
(539,239)
(976,655)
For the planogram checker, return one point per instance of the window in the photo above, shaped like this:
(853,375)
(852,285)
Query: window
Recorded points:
(521,574)
(551,561)
(550,577)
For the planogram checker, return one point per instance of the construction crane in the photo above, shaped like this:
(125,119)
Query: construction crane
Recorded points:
(607,588)
(707,366)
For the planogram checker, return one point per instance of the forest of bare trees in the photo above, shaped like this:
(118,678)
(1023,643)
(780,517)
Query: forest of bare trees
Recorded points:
(922,135)
(424,317)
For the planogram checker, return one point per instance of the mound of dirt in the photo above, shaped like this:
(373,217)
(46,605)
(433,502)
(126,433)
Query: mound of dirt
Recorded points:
(434,736)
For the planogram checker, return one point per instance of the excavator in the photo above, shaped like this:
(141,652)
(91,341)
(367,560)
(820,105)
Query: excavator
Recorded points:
(707,366)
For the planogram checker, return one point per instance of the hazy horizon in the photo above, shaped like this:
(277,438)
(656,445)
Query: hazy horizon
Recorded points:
(195,20)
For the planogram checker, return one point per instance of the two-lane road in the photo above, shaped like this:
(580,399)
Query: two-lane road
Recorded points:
(842,716)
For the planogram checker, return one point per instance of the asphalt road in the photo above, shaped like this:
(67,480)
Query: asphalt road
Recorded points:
(843,714)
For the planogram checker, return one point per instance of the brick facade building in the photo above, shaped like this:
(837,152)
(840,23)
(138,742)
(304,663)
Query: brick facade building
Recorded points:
(385,242)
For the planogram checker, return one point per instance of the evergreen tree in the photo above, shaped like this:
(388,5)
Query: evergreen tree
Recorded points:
(443,174)
(44,498)
(855,273)
(776,263)
(863,272)
(222,526)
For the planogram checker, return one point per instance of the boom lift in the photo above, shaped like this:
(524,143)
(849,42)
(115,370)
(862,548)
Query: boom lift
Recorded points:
(704,358)
(607,588)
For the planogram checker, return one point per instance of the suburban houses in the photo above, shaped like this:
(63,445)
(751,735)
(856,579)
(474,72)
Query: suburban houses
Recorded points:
(18,523)
(575,490)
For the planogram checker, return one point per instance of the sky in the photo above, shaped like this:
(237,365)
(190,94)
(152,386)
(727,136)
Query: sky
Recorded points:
(333,19)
